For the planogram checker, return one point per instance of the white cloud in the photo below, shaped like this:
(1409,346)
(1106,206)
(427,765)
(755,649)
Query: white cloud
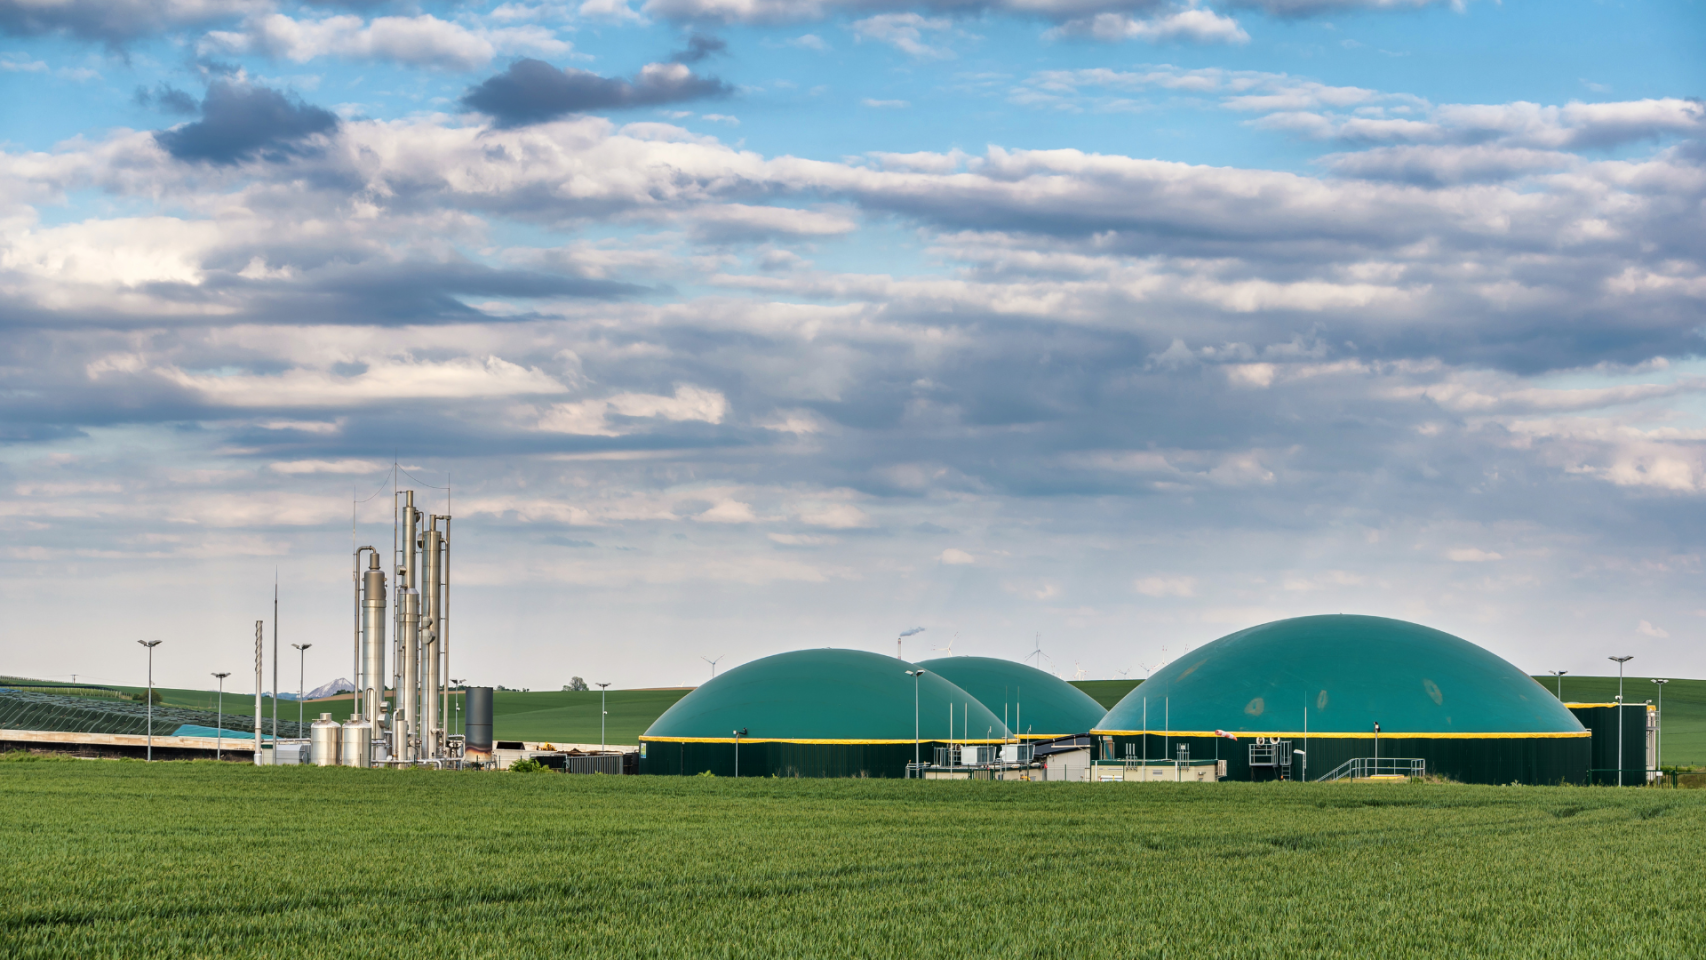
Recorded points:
(592,417)
(837,516)
(1190,23)
(728,511)
(293,467)
(423,41)
(1471,555)
(955,557)
(886,104)
(1648,630)
(1166,586)
(905,32)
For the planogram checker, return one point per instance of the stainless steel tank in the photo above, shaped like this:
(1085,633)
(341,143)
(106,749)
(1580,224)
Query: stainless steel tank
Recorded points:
(355,748)
(373,641)
(323,741)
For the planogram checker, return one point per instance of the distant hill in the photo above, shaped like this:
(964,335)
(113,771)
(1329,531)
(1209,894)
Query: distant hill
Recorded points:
(340,685)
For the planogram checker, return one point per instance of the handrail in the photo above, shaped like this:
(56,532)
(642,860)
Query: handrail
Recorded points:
(1358,768)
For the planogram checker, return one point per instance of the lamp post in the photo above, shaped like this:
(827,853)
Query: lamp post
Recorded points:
(738,734)
(219,731)
(603,713)
(916,760)
(301,672)
(1377,747)
(150,644)
(1659,761)
(1560,675)
(1620,662)
(458,683)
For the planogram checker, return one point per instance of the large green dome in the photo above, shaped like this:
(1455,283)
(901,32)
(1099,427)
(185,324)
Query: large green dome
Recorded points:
(1348,672)
(825,696)
(1037,705)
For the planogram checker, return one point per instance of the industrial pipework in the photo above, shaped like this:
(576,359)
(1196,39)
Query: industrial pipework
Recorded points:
(410,727)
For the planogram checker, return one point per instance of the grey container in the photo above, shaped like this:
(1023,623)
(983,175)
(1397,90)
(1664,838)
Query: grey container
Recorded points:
(480,719)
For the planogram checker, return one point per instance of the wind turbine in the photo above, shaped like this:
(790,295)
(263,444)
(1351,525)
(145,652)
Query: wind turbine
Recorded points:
(949,649)
(713,664)
(1077,671)
(1040,655)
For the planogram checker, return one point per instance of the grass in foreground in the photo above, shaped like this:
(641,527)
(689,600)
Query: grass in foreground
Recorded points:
(127,859)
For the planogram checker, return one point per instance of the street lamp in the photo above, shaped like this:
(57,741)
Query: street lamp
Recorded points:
(150,644)
(1620,662)
(301,671)
(1560,675)
(738,734)
(219,731)
(1659,761)
(603,713)
(459,727)
(915,674)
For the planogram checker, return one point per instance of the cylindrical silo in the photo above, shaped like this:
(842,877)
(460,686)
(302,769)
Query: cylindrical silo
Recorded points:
(479,720)
(323,741)
(355,745)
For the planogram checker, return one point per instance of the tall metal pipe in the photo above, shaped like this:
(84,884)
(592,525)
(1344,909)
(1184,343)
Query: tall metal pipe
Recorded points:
(444,630)
(405,722)
(432,545)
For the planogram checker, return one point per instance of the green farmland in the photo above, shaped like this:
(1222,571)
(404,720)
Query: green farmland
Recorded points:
(120,858)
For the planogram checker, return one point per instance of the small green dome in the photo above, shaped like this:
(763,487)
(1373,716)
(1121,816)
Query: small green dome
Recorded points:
(825,696)
(1037,705)
(1350,672)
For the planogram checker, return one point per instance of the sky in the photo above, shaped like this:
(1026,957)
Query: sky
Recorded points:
(1099,328)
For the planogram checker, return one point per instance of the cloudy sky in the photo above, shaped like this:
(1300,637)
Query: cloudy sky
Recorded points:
(735,326)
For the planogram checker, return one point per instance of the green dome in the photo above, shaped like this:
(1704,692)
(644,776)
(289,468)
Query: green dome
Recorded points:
(1351,672)
(825,696)
(1041,705)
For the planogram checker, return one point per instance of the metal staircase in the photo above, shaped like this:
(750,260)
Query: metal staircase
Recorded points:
(1363,768)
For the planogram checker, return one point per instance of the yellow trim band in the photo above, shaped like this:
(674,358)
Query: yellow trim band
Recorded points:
(1647,705)
(1329,735)
(802,740)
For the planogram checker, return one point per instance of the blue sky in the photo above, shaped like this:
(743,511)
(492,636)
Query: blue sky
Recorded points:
(744,325)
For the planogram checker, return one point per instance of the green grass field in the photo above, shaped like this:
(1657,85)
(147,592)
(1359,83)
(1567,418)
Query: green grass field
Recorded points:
(116,858)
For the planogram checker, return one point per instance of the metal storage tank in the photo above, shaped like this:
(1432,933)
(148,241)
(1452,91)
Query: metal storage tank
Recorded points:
(478,745)
(355,746)
(1323,683)
(814,713)
(323,740)
(1034,705)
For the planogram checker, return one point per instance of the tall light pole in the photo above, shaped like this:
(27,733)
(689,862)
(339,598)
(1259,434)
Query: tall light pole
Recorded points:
(458,683)
(1620,662)
(915,674)
(1659,761)
(219,731)
(1560,675)
(150,644)
(301,672)
(603,713)
(738,734)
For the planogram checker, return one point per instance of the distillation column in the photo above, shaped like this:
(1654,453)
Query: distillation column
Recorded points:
(432,548)
(373,646)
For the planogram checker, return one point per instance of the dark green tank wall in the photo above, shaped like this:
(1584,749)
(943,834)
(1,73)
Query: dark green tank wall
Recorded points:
(1534,761)
(1602,722)
(783,759)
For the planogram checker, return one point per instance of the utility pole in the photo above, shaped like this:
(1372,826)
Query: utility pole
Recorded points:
(1560,675)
